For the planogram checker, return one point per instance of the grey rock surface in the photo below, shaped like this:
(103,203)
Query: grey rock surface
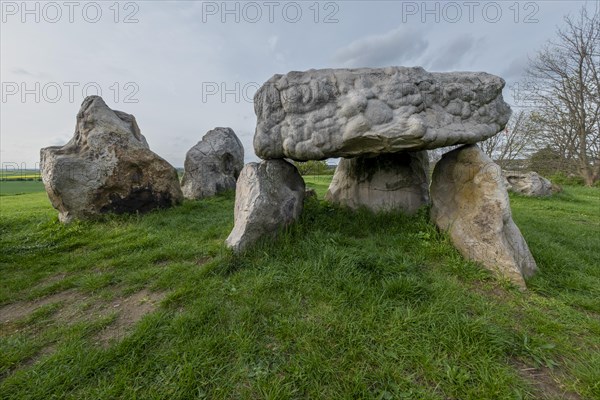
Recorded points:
(269,196)
(319,114)
(388,182)
(213,164)
(470,201)
(106,167)
(528,184)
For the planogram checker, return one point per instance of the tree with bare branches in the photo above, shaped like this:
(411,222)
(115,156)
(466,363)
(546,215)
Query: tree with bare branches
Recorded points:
(565,80)
(516,141)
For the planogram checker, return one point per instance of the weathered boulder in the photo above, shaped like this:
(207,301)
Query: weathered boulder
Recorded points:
(213,164)
(529,184)
(398,181)
(269,195)
(106,167)
(469,201)
(319,114)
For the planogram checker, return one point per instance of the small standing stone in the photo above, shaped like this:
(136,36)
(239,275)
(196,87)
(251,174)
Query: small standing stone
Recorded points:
(213,165)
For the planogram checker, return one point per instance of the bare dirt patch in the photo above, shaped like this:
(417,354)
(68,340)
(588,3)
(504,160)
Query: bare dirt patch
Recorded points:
(11,313)
(75,307)
(545,381)
(130,310)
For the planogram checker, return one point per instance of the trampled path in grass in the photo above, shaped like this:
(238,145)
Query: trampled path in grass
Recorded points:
(342,305)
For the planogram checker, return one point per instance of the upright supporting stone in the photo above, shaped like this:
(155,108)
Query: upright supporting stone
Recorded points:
(387,182)
(269,196)
(469,200)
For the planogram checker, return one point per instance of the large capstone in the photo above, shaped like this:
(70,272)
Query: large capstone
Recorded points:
(213,165)
(328,113)
(470,201)
(388,182)
(106,167)
(269,196)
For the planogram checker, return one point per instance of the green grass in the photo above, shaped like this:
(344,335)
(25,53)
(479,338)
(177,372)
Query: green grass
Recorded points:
(342,305)
(12,187)
(318,182)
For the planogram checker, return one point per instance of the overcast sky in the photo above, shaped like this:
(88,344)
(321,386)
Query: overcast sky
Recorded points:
(183,68)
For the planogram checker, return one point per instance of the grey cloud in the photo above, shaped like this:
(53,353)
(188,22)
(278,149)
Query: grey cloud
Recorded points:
(398,45)
(24,72)
(453,53)
(516,69)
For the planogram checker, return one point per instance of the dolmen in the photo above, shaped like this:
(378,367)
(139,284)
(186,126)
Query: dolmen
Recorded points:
(106,167)
(381,122)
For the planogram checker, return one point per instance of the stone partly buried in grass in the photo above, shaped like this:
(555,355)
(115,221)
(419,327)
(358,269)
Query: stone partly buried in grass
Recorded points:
(469,200)
(529,184)
(106,167)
